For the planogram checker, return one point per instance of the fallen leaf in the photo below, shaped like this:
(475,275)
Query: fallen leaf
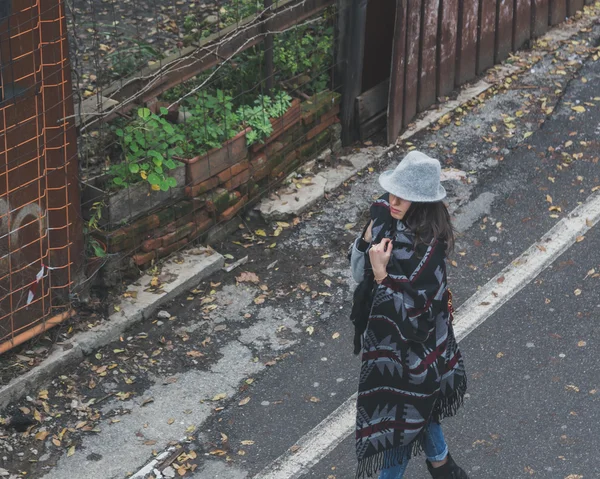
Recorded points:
(244,401)
(335,335)
(259,299)
(310,330)
(579,239)
(170,421)
(581,344)
(247,443)
(217,452)
(314,399)
(327,283)
(578,108)
(549,199)
(247,277)
(260,233)
(71,451)
(219,397)
(349,226)
(500,355)
(194,354)
(577,292)
(572,387)
(500,280)
(42,435)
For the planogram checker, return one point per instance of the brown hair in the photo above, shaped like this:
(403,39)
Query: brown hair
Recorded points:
(430,221)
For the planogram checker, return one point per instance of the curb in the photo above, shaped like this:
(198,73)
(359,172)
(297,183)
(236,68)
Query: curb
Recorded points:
(175,277)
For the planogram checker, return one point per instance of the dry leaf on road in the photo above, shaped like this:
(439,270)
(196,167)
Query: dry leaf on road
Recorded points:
(247,277)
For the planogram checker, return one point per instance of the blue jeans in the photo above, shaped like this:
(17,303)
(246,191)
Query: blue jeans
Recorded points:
(435,448)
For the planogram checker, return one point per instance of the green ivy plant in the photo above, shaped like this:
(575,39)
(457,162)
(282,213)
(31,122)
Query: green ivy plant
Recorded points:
(149,145)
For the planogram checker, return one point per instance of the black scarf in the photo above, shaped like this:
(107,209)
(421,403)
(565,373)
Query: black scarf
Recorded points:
(412,371)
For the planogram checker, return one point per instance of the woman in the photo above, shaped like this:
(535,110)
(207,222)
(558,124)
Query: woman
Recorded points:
(412,373)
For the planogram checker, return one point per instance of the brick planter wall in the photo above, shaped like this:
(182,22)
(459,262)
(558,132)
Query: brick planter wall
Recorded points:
(221,183)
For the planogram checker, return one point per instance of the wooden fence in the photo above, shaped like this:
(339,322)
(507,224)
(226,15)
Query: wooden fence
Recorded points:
(437,45)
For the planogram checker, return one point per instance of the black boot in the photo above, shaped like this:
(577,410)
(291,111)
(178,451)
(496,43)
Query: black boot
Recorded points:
(450,470)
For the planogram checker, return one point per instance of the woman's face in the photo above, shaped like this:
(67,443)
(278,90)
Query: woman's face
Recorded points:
(398,207)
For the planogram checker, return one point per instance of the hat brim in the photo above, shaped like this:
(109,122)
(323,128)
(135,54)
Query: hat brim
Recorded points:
(401,192)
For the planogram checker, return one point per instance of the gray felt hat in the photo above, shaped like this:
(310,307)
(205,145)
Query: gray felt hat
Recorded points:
(416,178)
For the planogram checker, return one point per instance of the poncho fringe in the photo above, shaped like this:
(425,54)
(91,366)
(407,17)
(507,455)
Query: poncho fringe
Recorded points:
(445,407)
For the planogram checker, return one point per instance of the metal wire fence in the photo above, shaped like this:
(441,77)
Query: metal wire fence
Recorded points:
(189,112)
(39,199)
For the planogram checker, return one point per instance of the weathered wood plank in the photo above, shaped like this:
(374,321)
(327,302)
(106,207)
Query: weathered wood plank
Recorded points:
(558,11)
(487,35)
(395,110)
(522,23)
(372,102)
(413,35)
(374,125)
(539,17)
(429,43)
(574,6)
(446,70)
(504,29)
(467,42)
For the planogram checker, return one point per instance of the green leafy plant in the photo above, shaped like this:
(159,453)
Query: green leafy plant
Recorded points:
(96,248)
(211,121)
(149,145)
(258,116)
(93,224)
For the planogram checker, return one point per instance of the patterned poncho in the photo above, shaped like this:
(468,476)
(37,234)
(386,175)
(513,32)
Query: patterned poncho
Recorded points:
(412,371)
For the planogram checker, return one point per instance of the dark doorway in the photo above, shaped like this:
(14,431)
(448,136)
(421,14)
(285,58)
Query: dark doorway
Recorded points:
(379,37)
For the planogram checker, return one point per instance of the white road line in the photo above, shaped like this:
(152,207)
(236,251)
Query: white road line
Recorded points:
(319,442)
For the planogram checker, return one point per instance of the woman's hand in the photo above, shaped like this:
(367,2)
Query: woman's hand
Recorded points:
(379,255)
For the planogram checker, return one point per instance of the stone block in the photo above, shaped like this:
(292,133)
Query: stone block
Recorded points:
(142,259)
(238,180)
(201,188)
(218,201)
(239,167)
(167,250)
(233,210)
(151,244)
(182,208)
(178,234)
(321,127)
